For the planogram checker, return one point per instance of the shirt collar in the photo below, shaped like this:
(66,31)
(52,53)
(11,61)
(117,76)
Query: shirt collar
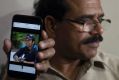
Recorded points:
(53,71)
(98,61)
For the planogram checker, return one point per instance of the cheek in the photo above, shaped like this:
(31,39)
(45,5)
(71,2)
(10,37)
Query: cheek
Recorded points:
(69,38)
(76,38)
(70,34)
(31,43)
(74,44)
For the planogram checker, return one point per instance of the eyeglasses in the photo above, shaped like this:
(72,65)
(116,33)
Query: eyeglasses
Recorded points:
(87,24)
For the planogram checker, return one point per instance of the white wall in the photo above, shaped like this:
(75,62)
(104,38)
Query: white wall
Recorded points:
(10,7)
(7,9)
(111,35)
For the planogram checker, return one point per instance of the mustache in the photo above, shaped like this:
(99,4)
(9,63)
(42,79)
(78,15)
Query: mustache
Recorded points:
(94,38)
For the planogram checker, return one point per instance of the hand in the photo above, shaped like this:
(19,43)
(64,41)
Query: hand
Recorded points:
(47,52)
(46,45)
(7,46)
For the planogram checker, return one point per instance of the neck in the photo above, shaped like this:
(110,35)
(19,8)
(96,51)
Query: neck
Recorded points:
(66,66)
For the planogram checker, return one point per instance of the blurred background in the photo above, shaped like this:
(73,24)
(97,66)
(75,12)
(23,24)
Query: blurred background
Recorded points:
(10,7)
(111,35)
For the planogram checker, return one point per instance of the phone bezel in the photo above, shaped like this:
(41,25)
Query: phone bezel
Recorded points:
(24,19)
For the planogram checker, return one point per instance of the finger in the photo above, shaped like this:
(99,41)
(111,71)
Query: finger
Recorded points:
(7,45)
(43,66)
(46,54)
(46,43)
(44,35)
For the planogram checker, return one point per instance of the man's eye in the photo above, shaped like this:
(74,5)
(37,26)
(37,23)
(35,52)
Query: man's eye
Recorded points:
(81,22)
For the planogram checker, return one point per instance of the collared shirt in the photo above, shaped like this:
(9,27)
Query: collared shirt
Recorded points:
(101,67)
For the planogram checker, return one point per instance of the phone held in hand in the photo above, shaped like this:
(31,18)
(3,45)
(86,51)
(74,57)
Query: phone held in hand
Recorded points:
(25,35)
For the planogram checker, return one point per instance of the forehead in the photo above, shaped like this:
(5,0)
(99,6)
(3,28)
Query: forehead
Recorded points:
(27,40)
(84,7)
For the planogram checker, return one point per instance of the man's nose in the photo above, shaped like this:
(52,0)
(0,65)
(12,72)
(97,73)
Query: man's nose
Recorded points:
(98,29)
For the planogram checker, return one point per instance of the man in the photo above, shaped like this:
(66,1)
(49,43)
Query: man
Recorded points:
(76,27)
(27,54)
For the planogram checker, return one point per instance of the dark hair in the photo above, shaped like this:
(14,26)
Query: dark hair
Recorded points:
(55,8)
(30,37)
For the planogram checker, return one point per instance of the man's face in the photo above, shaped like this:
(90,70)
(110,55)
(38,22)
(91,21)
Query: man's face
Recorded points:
(29,43)
(69,37)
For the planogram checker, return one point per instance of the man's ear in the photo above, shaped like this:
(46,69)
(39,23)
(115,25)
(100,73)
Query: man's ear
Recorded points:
(50,25)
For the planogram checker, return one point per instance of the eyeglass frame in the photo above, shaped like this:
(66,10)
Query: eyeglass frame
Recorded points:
(83,22)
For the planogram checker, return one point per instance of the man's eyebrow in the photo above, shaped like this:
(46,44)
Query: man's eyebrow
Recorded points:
(88,16)
(85,16)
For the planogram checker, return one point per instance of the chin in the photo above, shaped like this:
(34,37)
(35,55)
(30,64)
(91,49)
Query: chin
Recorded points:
(91,54)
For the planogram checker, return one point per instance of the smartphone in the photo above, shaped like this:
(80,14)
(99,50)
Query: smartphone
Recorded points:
(25,35)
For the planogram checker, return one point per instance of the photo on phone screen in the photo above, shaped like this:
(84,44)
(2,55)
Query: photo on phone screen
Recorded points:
(25,35)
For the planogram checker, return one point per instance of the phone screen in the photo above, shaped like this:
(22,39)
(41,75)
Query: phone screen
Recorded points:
(25,35)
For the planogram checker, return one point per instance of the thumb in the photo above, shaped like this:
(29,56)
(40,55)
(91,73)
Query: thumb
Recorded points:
(7,45)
